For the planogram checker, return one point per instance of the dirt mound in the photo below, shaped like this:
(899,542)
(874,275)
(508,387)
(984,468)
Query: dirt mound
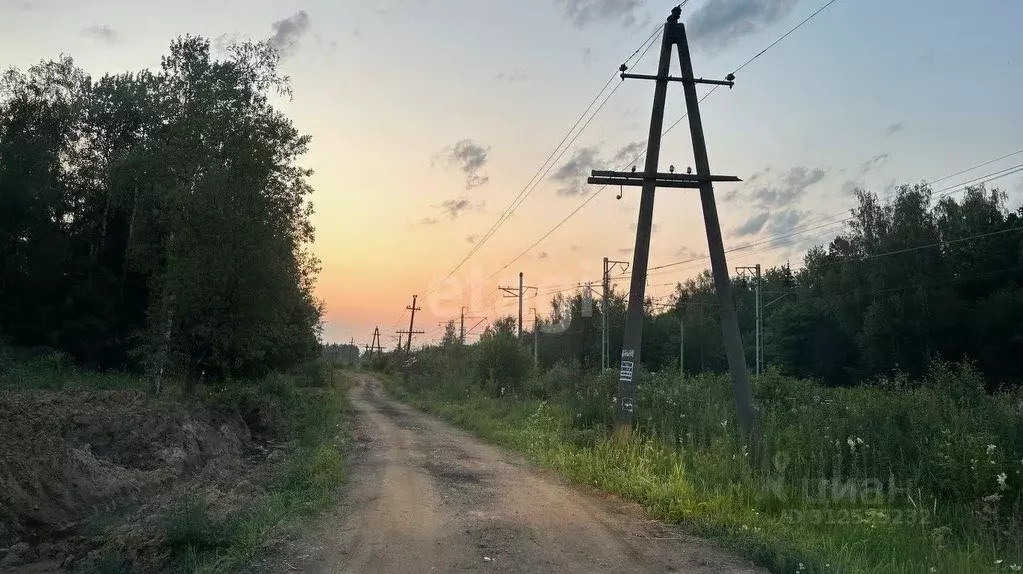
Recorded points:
(68,457)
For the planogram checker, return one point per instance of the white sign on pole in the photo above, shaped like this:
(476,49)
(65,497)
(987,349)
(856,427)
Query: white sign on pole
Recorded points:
(587,303)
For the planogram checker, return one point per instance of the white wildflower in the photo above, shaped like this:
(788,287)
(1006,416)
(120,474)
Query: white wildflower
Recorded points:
(1001,481)
(851,443)
(1015,567)
(990,449)
(859,440)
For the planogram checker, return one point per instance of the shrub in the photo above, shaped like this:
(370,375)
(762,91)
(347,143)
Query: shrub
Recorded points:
(501,364)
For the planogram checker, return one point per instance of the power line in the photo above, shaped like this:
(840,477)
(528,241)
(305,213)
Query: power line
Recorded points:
(785,35)
(551,160)
(665,132)
(940,193)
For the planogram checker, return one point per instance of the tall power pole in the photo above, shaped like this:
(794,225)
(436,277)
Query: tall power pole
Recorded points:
(411,325)
(462,319)
(375,345)
(520,292)
(536,337)
(649,180)
(758,347)
(605,310)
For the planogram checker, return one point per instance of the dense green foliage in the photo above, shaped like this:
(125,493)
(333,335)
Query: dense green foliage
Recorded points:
(909,280)
(157,219)
(898,476)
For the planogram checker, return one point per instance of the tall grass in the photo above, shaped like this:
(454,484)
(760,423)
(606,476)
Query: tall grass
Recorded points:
(199,541)
(891,477)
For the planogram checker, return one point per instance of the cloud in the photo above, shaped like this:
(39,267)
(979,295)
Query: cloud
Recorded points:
(872,164)
(654,228)
(588,55)
(288,31)
(783,222)
(630,152)
(542,255)
(454,208)
(471,239)
(103,33)
(624,251)
(573,173)
(428,221)
(687,253)
(468,157)
(782,191)
(753,225)
(576,247)
(896,127)
(585,12)
(719,24)
(513,77)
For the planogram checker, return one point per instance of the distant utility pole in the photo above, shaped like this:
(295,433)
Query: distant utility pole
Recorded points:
(536,336)
(375,345)
(758,346)
(463,317)
(649,180)
(605,309)
(411,325)
(681,347)
(512,292)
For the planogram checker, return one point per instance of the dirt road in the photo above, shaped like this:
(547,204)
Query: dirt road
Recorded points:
(426,497)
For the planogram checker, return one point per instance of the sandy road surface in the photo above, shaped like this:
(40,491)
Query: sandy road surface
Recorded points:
(426,497)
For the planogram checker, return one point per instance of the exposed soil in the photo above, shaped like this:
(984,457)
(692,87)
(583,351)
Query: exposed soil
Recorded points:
(81,472)
(424,496)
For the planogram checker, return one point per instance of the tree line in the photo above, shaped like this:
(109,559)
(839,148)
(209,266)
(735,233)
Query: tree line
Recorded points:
(157,220)
(906,281)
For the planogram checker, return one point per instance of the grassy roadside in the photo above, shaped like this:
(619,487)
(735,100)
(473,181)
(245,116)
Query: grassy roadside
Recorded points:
(784,527)
(305,483)
(239,464)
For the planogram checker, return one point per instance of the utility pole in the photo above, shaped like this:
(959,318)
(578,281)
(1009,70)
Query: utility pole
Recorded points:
(536,336)
(375,345)
(758,351)
(463,317)
(649,180)
(512,292)
(681,347)
(411,324)
(605,309)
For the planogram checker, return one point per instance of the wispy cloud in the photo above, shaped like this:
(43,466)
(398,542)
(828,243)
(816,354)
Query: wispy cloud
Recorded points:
(288,31)
(782,191)
(896,127)
(719,24)
(455,207)
(654,227)
(572,174)
(753,225)
(687,253)
(542,255)
(858,180)
(466,156)
(513,77)
(585,12)
(103,33)
(471,239)
(428,221)
(775,199)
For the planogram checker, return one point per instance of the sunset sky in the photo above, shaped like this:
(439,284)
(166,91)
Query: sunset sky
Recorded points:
(428,117)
